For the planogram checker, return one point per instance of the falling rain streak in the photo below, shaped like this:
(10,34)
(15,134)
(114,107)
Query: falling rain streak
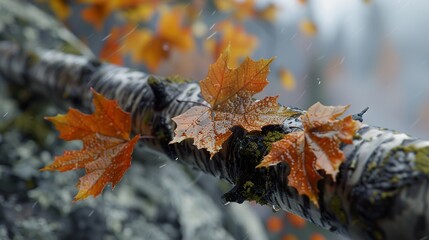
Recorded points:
(211,35)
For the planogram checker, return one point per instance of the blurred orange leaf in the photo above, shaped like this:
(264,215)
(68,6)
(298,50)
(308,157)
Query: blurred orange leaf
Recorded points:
(274,224)
(136,11)
(308,28)
(295,220)
(287,79)
(268,13)
(229,93)
(152,48)
(139,13)
(242,44)
(107,148)
(315,148)
(111,48)
(244,9)
(317,236)
(290,237)
(97,12)
(60,8)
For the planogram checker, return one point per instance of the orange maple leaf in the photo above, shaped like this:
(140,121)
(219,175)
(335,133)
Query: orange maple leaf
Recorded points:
(97,12)
(107,148)
(315,148)
(229,93)
(234,35)
(152,48)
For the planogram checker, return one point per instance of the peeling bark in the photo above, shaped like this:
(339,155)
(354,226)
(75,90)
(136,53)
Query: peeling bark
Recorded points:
(381,191)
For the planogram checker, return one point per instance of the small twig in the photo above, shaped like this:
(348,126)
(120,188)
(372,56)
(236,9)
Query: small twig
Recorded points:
(359,116)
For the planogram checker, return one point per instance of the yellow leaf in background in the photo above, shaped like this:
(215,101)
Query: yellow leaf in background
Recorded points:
(135,44)
(136,11)
(140,13)
(242,44)
(244,9)
(61,8)
(170,30)
(287,79)
(308,28)
(269,13)
(241,10)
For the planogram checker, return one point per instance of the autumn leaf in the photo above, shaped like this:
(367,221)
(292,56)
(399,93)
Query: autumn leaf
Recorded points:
(152,48)
(287,79)
(244,9)
(97,12)
(107,148)
(274,224)
(229,93)
(240,9)
(234,35)
(308,27)
(315,148)
(111,48)
(295,220)
(60,8)
(136,11)
(139,13)
(268,13)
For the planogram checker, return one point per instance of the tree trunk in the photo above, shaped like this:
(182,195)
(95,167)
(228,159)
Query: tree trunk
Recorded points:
(381,191)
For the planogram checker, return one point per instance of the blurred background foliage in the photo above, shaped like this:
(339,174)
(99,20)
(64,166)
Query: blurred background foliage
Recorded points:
(358,52)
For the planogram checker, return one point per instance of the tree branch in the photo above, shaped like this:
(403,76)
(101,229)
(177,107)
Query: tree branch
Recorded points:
(381,191)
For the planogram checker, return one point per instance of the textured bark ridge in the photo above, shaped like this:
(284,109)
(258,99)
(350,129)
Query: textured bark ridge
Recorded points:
(381,191)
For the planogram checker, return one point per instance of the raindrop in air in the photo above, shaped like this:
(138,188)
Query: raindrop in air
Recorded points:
(275,208)
(227,203)
(318,81)
(90,213)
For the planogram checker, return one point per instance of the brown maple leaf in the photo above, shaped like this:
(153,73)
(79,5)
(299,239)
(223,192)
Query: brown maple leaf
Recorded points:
(315,148)
(107,148)
(229,93)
